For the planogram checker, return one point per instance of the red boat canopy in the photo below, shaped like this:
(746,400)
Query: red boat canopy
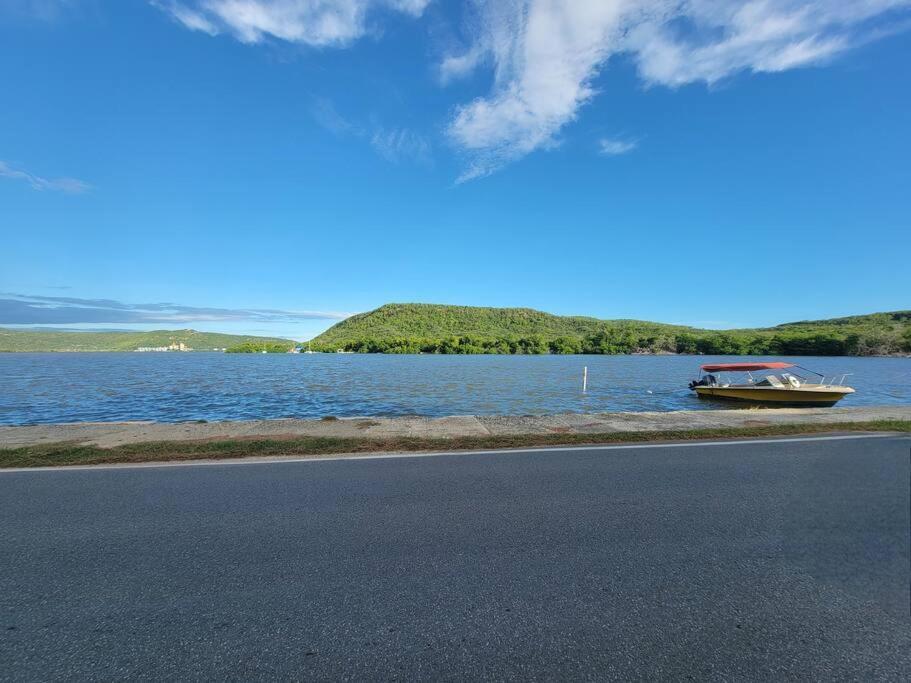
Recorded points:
(745,367)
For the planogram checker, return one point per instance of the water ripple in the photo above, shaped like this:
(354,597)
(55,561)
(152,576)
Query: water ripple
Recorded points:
(173,387)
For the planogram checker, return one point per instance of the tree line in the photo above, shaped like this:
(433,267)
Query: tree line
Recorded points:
(609,342)
(260,347)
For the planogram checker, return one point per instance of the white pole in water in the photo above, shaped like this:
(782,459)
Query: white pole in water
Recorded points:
(584,379)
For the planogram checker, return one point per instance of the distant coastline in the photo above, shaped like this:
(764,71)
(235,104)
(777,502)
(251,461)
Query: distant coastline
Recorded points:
(155,341)
(439,329)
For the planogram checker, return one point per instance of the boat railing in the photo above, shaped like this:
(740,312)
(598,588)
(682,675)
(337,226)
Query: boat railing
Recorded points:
(833,383)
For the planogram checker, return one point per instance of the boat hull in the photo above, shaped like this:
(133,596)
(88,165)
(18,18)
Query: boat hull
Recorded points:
(820,397)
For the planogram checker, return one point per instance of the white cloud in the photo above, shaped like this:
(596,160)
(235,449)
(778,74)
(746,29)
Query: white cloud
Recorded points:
(190,18)
(68,185)
(459,66)
(546,53)
(719,38)
(310,22)
(616,146)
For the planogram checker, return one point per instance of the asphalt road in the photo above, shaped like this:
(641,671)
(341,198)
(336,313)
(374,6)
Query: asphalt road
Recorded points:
(760,560)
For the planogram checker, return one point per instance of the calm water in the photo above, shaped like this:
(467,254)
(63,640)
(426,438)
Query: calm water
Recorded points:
(172,387)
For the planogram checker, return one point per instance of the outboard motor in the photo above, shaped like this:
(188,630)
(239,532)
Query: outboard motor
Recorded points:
(706,381)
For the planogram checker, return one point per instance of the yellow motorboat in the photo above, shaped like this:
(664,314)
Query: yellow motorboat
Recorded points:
(773,388)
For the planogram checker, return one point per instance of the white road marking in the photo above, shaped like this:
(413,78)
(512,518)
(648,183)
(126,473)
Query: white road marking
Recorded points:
(273,460)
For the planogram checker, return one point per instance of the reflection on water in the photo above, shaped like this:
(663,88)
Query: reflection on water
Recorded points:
(172,387)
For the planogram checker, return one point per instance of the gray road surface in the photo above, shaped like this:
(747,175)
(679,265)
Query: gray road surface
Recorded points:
(761,560)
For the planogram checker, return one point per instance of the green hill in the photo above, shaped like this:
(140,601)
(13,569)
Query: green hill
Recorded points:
(68,340)
(430,328)
(436,321)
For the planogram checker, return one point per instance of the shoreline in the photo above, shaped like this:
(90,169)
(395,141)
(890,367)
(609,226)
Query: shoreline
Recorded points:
(899,354)
(108,435)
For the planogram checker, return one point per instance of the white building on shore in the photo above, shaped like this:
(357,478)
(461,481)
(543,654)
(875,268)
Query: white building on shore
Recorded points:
(176,346)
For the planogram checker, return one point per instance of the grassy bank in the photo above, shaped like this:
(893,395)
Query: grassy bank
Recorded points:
(162,451)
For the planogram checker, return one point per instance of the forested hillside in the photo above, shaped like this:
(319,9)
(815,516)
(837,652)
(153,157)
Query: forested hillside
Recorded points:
(429,328)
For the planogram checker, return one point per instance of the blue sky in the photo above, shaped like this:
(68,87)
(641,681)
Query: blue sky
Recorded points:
(268,167)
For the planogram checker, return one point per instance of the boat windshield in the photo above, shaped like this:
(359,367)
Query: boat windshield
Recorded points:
(771,381)
(748,378)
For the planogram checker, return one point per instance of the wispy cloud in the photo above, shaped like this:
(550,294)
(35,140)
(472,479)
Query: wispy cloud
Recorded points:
(186,15)
(401,144)
(326,115)
(616,146)
(21,309)
(318,23)
(68,185)
(396,145)
(546,53)
(44,10)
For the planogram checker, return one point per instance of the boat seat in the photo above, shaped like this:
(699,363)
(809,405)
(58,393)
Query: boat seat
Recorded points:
(774,381)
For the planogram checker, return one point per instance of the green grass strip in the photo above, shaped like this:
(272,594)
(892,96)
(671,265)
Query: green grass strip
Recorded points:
(62,454)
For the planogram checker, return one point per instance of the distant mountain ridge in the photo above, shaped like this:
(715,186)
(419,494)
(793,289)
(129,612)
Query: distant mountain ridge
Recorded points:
(36,340)
(434,328)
